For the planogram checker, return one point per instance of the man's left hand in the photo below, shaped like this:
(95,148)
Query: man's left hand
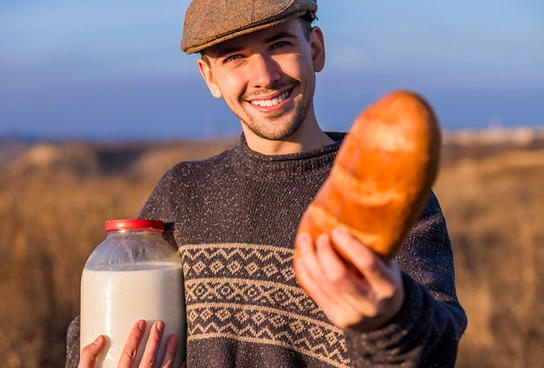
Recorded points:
(364,303)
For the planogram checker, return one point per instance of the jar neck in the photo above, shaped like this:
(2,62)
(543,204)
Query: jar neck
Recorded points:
(134,231)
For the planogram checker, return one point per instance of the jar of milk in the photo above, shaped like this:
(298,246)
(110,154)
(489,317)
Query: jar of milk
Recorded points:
(133,274)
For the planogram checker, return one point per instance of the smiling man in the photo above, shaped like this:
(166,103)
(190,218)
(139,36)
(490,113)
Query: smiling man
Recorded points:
(234,219)
(267,78)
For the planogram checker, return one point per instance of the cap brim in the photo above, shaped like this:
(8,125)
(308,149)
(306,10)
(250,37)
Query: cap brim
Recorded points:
(238,33)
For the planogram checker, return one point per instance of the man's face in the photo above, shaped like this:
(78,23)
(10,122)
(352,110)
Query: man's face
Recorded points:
(267,78)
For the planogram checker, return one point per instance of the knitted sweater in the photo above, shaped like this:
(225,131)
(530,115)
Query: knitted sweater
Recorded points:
(234,218)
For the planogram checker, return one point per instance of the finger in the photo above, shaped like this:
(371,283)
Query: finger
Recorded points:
(152,346)
(130,350)
(317,270)
(355,291)
(90,352)
(306,250)
(169,352)
(334,267)
(183,365)
(337,271)
(371,266)
(341,315)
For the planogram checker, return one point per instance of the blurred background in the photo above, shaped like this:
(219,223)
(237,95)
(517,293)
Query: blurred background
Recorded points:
(97,100)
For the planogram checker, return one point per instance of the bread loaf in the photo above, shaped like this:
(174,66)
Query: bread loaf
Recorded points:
(382,175)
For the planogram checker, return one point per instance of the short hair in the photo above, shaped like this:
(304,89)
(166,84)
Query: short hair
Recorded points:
(307,19)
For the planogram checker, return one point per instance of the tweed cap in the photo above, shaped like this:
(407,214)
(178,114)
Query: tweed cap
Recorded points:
(209,22)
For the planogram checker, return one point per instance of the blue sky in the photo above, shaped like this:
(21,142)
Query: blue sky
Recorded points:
(113,69)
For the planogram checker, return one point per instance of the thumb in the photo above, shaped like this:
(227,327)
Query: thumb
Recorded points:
(90,352)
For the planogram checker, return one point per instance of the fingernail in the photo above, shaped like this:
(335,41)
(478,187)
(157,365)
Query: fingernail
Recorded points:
(300,265)
(340,231)
(173,340)
(99,339)
(322,239)
(141,325)
(304,239)
(160,326)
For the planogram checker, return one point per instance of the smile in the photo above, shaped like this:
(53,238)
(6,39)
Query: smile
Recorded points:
(272,102)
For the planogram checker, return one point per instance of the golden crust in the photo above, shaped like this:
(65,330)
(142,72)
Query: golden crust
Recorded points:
(382,175)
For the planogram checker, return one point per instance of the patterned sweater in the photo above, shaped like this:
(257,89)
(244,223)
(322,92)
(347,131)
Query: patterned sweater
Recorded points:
(234,218)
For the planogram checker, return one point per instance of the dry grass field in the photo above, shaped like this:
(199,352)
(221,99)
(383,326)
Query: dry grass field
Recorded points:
(54,199)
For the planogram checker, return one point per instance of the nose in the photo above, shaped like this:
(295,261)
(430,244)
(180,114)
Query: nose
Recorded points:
(263,71)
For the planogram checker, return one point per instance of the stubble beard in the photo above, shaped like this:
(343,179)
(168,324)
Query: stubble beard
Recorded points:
(266,128)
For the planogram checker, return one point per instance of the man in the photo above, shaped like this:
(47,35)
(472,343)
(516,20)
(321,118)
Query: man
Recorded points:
(234,219)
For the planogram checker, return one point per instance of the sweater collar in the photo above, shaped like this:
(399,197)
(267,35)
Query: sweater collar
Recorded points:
(283,167)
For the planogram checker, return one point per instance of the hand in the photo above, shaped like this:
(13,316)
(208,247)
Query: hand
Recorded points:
(130,350)
(364,303)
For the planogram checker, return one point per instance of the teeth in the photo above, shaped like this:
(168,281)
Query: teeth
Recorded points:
(267,103)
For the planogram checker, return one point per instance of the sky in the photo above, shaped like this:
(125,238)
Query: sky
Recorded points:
(112,69)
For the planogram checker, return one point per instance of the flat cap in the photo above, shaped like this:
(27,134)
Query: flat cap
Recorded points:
(209,22)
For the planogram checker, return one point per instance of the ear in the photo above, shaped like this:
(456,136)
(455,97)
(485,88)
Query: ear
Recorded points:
(206,72)
(317,43)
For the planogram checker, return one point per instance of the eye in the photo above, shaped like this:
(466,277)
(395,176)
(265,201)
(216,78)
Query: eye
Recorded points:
(279,44)
(232,58)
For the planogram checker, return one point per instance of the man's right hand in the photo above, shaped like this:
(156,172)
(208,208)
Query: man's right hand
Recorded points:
(130,350)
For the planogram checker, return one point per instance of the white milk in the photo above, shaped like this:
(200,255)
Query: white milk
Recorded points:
(112,302)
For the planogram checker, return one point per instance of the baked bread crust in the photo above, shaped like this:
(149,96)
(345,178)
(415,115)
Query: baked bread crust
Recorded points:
(382,175)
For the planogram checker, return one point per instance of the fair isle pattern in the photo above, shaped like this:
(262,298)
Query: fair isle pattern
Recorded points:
(267,326)
(265,262)
(248,292)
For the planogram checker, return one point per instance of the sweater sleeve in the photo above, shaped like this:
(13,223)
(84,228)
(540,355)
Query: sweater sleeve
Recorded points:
(157,207)
(427,329)
(72,344)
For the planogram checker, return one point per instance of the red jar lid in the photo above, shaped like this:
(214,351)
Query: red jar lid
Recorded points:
(134,224)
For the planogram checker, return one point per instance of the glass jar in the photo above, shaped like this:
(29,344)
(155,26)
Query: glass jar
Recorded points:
(133,274)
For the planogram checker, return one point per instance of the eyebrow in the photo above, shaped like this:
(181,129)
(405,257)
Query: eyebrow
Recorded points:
(280,35)
(229,50)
